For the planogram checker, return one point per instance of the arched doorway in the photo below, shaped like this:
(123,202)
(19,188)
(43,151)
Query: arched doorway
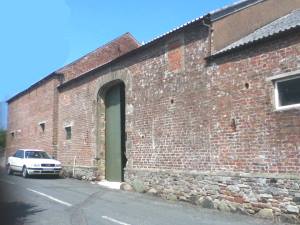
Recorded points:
(115,159)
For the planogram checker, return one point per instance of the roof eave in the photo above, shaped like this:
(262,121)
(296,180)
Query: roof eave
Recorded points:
(233,8)
(37,84)
(255,42)
(135,51)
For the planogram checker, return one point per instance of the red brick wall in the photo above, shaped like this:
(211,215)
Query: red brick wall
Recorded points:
(100,56)
(41,103)
(162,103)
(180,112)
(169,102)
(189,115)
(264,140)
(77,109)
(24,115)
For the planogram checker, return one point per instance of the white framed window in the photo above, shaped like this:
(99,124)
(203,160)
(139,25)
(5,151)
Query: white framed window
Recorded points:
(287,92)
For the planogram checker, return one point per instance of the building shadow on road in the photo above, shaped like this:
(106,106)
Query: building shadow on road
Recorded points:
(15,213)
(45,177)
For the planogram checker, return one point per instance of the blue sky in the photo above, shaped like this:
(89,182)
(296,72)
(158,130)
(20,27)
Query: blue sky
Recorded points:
(40,36)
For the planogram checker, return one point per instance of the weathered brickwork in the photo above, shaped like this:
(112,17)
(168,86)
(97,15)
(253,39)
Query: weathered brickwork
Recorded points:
(165,108)
(153,93)
(252,165)
(201,130)
(27,113)
(39,103)
(215,118)
(262,139)
(100,56)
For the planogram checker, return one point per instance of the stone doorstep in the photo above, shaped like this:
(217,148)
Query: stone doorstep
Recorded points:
(110,185)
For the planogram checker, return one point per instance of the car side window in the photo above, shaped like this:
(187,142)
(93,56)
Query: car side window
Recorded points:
(19,154)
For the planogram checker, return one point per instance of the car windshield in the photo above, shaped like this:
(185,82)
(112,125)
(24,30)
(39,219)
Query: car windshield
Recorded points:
(36,155)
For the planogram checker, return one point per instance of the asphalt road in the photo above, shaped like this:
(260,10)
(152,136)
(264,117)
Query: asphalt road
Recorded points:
(48,201)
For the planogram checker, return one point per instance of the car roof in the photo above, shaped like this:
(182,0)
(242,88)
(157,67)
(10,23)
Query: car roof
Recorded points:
(35,150)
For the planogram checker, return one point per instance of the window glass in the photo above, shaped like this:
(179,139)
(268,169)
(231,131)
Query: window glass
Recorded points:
(19,154)
(289,92)
(36,155)
(68,133)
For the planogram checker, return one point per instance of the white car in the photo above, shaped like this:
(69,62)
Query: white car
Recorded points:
(32,162)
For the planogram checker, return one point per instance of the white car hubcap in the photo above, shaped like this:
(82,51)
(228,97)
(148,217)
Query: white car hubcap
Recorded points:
(24,172)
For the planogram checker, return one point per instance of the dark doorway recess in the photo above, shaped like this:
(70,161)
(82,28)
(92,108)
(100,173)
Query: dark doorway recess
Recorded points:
(115,159)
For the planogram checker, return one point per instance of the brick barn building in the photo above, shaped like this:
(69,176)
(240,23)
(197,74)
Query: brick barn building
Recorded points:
(208,112)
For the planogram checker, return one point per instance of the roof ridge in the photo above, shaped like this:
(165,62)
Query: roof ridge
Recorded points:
(242,3)
(211,14)
(235,6)
(288,22)
(57,71)
(99,48)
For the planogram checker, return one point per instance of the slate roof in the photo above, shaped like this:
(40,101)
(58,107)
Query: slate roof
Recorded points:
(283,24)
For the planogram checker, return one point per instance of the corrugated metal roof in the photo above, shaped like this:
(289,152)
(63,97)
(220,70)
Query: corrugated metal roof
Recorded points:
(232,8)
(214,15)
(285,23)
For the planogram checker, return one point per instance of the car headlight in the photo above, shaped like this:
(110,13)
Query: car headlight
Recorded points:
(58,165)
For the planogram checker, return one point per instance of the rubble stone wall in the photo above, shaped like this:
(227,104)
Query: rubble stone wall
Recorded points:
(269,196)
(240,153)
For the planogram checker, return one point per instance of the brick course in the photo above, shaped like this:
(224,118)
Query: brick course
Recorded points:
(168,125)
(264,140)
(26,113)
(184,115)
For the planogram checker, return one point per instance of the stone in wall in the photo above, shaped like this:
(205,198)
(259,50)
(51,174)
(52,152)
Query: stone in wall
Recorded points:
(81,173)
(250,194)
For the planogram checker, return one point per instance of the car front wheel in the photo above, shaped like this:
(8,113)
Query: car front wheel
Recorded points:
(24,172)
(9,170)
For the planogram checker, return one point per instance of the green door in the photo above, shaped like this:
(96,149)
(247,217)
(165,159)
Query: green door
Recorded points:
(114,133)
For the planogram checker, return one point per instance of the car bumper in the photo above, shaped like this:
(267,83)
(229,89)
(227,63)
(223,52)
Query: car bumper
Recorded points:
(46,171)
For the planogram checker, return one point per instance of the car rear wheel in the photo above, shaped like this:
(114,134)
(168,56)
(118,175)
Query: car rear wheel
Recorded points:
(24,172)
(9,171)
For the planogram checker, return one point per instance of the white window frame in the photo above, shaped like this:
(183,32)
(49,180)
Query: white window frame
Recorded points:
(281,78)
